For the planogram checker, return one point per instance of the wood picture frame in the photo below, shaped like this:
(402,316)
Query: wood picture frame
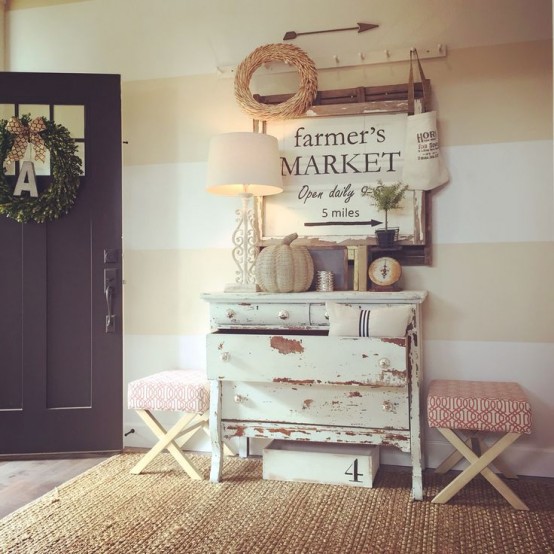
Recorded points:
(344,133)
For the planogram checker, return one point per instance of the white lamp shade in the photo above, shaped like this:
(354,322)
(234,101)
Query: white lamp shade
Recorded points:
(244,163)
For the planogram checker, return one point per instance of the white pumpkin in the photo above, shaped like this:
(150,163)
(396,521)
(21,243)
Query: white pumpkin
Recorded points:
(284,267)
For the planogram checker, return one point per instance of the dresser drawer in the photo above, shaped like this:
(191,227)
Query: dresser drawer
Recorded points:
(316,405)
(307,359)
(266,315)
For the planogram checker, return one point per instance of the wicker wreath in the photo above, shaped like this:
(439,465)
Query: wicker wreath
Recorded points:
(294,106)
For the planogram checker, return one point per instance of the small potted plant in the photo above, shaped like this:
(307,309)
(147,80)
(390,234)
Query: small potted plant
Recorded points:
(386,197)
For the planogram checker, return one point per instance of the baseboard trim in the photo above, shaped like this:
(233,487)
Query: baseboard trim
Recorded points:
(521,459)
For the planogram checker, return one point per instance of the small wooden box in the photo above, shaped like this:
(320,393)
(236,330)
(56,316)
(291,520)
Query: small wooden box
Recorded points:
(316,462)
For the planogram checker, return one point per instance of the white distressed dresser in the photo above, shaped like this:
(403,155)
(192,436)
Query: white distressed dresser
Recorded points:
(275,373)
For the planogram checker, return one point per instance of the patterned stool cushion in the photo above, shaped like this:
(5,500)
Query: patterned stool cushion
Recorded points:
(176,390)
(478,406)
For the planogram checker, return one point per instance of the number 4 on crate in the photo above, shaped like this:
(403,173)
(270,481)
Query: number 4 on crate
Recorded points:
(354,465)
(353,471)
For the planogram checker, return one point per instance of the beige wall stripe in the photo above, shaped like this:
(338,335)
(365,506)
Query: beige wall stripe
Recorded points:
(483,95)
(488,292)
(477,292)
(26,4)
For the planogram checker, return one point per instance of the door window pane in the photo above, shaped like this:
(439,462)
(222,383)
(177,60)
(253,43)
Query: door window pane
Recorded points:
(6,111)
(35,110)
(71,117)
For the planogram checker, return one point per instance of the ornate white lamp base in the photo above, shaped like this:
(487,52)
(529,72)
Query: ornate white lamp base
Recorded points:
(245,251)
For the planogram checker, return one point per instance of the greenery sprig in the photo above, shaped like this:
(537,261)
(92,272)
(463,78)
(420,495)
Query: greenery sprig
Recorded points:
(65,169)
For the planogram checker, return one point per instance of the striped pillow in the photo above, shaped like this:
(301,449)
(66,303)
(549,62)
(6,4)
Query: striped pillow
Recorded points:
(384,321)
(363,323)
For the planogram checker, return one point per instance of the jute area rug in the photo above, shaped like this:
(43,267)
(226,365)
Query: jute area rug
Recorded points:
(108,510)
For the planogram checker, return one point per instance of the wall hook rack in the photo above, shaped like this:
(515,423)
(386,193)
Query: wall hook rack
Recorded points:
(352,59)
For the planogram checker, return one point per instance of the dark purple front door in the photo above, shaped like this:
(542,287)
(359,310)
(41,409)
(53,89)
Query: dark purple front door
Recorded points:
(60,371)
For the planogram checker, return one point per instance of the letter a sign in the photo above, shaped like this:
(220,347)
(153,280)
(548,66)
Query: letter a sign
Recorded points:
(26,180)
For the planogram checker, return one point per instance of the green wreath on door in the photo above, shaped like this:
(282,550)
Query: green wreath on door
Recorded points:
(65,169)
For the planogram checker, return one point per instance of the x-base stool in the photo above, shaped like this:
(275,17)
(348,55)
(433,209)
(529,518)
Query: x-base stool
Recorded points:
(478,407)
(185,391)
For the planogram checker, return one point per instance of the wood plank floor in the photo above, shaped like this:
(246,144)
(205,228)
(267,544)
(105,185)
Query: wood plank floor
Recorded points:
(23,481)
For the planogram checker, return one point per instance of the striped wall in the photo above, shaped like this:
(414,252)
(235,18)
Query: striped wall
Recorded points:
(490,312)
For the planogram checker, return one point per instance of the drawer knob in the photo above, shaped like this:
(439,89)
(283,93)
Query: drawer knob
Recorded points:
(388,406)
(239,399)
(225,356)
(231,314)
(384,363)
(283,314)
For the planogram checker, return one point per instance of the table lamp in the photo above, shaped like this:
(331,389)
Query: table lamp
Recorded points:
(246,165)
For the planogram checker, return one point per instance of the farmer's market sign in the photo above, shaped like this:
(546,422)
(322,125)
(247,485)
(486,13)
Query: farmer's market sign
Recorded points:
(327,165)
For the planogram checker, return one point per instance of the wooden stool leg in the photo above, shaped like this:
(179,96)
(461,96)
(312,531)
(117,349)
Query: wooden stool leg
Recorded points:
(498,463)
(191,429)
(166,440)
(476,436)
(479,465)
(449,462)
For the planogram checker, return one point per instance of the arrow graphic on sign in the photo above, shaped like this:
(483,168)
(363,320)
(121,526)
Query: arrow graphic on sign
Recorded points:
(361,27)
(372,222)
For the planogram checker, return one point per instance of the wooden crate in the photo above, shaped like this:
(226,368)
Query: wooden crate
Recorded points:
(316,462)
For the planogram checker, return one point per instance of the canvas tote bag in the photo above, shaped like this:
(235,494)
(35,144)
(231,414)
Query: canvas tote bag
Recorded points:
(424,167)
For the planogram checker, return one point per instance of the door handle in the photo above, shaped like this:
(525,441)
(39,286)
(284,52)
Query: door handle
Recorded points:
(110,282)
(110,317)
